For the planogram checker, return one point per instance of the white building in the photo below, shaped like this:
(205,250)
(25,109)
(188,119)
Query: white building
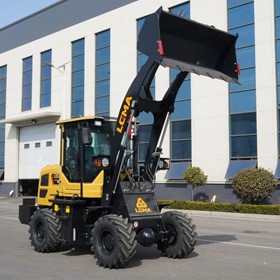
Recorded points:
(79,58)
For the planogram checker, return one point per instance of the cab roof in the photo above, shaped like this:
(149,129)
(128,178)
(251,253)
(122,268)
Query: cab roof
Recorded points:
(86,118)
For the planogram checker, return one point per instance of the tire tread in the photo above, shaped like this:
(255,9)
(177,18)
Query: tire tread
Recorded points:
(126,243)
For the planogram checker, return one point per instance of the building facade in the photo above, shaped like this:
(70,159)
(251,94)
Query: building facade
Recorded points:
(78,58)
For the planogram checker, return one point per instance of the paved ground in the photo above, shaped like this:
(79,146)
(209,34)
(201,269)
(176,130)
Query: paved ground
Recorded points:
(229,247)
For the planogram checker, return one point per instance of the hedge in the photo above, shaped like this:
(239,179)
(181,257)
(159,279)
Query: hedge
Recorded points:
(221,207)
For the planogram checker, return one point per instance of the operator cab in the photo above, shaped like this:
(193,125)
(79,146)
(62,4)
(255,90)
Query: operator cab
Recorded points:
(86,147)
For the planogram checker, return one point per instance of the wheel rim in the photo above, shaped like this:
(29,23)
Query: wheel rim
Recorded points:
(172,234)
(107,241)
(40,231)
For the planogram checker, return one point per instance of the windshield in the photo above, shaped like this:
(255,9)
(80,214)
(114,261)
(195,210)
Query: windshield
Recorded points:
(101,139)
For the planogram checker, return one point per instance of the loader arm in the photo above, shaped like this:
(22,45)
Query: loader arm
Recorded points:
(170,41)
(130,107)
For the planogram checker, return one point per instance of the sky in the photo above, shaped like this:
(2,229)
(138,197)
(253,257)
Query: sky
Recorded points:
(13,10)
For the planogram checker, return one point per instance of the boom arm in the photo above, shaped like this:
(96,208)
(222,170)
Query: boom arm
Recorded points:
(174,42)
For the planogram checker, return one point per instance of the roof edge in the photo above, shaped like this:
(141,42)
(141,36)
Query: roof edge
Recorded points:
(33,14)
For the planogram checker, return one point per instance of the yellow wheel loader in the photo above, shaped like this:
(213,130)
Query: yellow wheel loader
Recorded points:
(99,194)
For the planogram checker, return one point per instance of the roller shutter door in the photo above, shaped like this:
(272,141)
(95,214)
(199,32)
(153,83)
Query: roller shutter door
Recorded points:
(36,149)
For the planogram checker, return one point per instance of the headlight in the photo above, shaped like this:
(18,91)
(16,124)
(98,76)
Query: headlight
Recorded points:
(160,164)
(163,164)
(105,162)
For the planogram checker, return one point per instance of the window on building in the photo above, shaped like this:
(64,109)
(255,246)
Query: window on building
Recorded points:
(27,84)
(26,146)
(37,145)
(242,98)
(49,144)
(237,165)
(78,80)
(277,37)
(144,138)
(46,79)
(146,119)
(102,70)
(180,126)
(277,44)
(3,88)
(243,128)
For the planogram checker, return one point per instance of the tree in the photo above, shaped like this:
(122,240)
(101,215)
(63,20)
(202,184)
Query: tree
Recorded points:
(253,185)
(195,177)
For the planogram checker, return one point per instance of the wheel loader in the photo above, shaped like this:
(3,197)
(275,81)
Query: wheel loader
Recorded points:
(99,194)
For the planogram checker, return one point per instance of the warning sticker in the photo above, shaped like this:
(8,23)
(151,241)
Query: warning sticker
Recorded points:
(141,206)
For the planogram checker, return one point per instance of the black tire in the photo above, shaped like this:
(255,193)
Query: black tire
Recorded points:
(44,230)
(181,235)
(113,241)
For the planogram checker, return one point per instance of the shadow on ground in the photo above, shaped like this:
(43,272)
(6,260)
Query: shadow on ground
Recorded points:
(142,253)
(208,239)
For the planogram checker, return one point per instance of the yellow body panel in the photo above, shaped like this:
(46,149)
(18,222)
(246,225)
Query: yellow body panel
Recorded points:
(53,183)
(49,184)
(95,188)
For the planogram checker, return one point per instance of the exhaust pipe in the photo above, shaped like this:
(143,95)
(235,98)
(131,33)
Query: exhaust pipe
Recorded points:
(189,46)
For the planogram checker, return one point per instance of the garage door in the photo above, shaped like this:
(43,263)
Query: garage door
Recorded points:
(36,149)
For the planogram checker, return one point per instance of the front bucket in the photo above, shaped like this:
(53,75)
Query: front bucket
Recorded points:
(189,46)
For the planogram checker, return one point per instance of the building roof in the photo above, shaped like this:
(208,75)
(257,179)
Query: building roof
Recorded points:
(53,18)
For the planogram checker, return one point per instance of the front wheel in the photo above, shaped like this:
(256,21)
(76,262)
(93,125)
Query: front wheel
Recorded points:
(181,235)
(44,230)
(113,241)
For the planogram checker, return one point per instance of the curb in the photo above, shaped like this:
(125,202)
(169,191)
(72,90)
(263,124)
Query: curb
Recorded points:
(214,214)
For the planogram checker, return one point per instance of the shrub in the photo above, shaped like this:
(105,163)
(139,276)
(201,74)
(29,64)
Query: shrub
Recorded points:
(195,177)
(253,185)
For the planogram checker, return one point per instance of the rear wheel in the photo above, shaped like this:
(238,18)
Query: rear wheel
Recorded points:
(113,241)
(181,235)
(44,230)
